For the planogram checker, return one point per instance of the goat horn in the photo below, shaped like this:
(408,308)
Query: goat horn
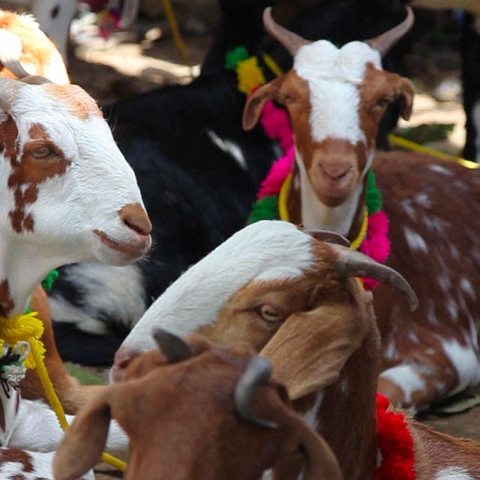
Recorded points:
(257,373)
(328,237)
(35,80)
(291,41)
(351,263)
(8,89)
(16,68)
(173,347)
(384,42)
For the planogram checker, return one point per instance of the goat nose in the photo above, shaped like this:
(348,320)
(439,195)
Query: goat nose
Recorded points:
(135,217)
(121,361)
(335,172)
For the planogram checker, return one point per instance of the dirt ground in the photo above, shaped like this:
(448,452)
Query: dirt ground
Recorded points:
(146,58)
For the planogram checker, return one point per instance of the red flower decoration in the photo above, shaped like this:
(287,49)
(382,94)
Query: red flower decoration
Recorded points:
(395,444)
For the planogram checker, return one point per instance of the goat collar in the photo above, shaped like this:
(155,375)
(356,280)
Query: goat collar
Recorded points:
(372,240)
(395,444)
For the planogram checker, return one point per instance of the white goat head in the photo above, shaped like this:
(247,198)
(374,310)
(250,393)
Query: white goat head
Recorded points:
(267,278)
(335,98)
(67,193)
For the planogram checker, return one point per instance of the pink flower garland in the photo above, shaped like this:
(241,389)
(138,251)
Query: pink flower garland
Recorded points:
(376,243)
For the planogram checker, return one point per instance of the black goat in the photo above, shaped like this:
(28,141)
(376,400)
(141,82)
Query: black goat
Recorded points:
(197,169)
(470,50)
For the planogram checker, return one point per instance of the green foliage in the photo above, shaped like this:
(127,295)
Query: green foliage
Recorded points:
(83,375)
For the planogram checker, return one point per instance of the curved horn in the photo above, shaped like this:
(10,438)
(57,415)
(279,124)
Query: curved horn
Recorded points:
(10,52)
(8,90)
(16,68)
(35,80)
(173,347)
(351,263)
(291,41)
(384,42)
(328,237)
(257,373)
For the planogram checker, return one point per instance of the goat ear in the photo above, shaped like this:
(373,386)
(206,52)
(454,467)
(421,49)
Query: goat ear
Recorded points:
(406,92)
(310,349)
(255,103)
(88,435)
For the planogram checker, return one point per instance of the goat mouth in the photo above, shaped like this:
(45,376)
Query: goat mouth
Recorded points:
(333,187)
(135,250)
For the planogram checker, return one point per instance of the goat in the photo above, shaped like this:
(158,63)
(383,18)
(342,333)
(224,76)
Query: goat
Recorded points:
(232,421)
(26,50)
(68,195)
(335,98)
(290,295)
(197,169)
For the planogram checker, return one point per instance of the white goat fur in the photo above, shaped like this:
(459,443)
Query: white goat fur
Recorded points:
(67,195)
(194,299)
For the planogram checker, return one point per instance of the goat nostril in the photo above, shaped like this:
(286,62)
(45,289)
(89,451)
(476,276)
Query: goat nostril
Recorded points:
(123,364)
(134,216)
(120,363)
(335,173)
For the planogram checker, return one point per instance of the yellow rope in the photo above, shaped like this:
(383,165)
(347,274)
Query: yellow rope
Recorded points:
(282,199)
(402,142)
(363,231)
(283,212)
(272,64)
(29,328)
(177,38)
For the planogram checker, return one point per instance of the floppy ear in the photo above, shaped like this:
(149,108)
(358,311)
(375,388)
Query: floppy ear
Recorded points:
(82,445)
(405,91)
(255,103)
(310,349)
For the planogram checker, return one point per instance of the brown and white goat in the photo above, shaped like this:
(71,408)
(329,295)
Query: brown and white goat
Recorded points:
(68,195)
(292,297)
(26,50)
(335,98)
(194,410)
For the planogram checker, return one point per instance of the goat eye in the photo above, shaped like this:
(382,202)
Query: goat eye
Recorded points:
(269,314)
(42,152)
(383,103)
